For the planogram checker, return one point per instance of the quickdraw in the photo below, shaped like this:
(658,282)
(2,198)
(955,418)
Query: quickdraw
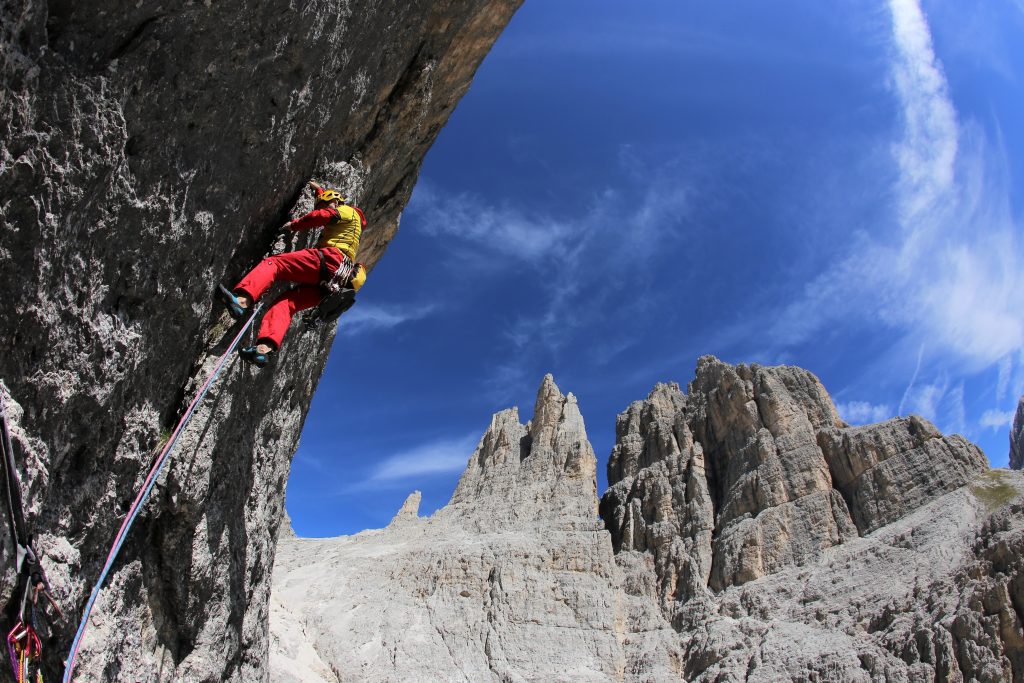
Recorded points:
(331,283)
(337,293)
(26,650)
(23,643)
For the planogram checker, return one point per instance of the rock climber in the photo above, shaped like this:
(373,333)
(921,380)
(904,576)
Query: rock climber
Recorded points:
(311,268)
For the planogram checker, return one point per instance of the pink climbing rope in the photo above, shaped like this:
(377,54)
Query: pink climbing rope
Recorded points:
(144,492)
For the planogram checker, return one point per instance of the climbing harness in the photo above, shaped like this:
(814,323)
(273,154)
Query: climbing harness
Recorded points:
(336,288)
(144,492)
(23,643)
(333,283)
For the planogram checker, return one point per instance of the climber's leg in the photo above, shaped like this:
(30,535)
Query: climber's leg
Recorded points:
(276,320)
(301,266)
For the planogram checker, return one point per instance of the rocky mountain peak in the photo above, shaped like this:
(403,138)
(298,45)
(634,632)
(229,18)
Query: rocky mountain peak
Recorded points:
(754,470)
(543,469)
(513,580)
(755,535)
(409,511)
(547,409)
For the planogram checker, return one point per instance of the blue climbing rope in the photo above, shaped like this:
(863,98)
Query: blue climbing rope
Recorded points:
(143,495)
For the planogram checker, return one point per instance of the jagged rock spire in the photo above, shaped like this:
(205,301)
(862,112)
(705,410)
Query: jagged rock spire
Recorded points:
(409,510)
(514,580)
(543,469)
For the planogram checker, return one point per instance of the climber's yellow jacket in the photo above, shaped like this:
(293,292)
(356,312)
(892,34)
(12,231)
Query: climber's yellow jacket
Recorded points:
(342,227)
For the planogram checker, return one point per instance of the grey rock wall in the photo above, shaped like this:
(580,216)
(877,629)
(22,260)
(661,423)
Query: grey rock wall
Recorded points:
(783,544)
(151,150)
(754,470)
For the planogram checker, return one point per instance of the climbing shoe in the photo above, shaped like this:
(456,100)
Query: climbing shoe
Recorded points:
(235,307)
(250,354)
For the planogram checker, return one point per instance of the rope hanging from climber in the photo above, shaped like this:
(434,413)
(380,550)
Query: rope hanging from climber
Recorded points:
(143,495)
(328,277)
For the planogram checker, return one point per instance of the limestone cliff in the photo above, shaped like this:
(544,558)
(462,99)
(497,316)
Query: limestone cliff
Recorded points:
(784,544)
(756,537)
(151,150)
(513,580)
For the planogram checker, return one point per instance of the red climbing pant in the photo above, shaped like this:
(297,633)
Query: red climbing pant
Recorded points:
(301,266)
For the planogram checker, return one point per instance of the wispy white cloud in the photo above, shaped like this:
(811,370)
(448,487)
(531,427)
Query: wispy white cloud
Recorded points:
(370,318)
(948,273)
(925,399)
(519,233)
(940,401)
(956,271)
(996,419)
(516,233)
(1005,374)
(863,412)
(927,151)
(442,457)
(580,259)
(913,379)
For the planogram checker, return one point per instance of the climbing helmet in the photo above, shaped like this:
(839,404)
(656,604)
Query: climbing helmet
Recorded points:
(328,195)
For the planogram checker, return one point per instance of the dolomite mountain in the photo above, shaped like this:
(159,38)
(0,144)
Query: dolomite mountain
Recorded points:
(1017,437)
(748,534)
(150,151)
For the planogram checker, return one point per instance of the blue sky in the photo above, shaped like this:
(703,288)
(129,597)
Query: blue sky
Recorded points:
(627,187)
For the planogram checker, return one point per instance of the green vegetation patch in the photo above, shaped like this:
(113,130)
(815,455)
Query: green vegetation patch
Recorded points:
(994,490)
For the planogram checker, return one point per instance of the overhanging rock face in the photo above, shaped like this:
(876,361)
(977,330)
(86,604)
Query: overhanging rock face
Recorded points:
(151,150)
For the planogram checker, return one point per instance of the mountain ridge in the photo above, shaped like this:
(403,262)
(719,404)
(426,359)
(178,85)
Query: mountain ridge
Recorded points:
(752,568)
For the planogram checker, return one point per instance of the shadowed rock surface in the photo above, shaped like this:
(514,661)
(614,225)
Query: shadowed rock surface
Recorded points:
(756,537)
(151,150)
(1017,437)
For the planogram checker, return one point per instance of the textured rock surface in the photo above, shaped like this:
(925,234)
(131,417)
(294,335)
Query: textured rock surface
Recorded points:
(149,151)
(754,471)
(783,544)
(409,510)
(560,481)
(1017,437)
(514,580)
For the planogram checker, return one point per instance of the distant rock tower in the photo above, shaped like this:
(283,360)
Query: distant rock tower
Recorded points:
(1017,438)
